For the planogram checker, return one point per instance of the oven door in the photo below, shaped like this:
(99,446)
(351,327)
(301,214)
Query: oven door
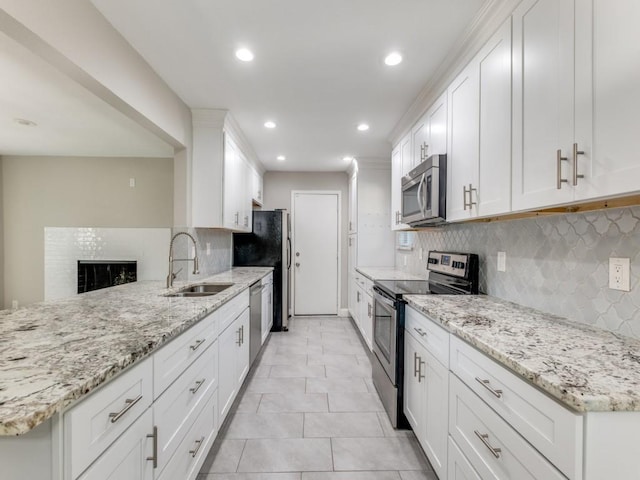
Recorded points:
(385,324)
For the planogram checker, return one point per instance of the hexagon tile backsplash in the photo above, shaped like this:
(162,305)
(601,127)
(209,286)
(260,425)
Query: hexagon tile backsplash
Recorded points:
(558,264)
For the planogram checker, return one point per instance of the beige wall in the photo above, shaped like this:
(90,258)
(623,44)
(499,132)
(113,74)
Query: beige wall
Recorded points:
(43,192)
(277,194)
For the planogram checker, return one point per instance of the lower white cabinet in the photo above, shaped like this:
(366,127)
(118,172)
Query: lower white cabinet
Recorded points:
(105,415)
(195,445)
(495,449)
(363,309)
(459,467)
(234,361)
(426,391)
(129,457)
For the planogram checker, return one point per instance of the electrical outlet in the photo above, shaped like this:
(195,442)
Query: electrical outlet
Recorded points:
(405,260)
(619,270)
(14,304)
(208,248)
(132,182)
(502,261)
(420,253)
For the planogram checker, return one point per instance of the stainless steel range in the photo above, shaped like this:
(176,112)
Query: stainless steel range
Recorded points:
(449,273)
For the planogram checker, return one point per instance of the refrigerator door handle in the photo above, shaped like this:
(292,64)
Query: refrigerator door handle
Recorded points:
(288,253)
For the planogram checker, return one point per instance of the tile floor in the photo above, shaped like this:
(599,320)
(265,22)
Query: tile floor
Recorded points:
(310,412)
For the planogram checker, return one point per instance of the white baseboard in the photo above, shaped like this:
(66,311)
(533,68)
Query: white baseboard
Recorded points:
(343,312)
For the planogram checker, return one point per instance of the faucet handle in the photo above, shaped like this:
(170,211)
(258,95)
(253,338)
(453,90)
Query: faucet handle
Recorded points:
(196,266)
(175,274)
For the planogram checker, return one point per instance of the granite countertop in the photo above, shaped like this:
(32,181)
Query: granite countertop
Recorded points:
(53,353)
(387,273)
(586,368)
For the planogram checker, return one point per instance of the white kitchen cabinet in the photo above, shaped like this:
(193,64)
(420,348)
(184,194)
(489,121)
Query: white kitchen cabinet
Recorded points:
(479,153)
(607,97)
(257,186)
(426,383)
(234,361)
(267,306)
(128,458)
(370,193)
(220,178)
(353,201)
(364,308)
(496,451)
(429,134)
(543,102)
(400,157)
(96,422)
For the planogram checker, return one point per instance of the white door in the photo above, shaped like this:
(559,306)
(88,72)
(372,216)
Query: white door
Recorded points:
(315,257)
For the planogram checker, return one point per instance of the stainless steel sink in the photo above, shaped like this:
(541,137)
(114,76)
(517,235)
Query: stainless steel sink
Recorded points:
(201,290)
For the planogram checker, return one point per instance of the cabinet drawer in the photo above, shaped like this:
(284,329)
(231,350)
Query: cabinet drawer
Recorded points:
(127,458)
(431,336)
(93,425)
(176,408)
(459,466)
(228,312)
(554,430)
(172,359)
(193,449)
(495,450)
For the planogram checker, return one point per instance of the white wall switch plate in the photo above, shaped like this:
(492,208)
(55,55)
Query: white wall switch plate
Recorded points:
(14,304)
(420,253)
(132,182)
(405,260)
(208,248)
(502,261)
(619,273)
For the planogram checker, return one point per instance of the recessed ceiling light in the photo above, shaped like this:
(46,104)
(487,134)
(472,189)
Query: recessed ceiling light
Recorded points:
(348,159)
(363,127)
(244,54)
(281,158)
(393,59)
(270,124)
(24,122)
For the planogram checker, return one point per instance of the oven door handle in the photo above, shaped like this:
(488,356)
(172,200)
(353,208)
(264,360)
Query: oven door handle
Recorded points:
(381,298)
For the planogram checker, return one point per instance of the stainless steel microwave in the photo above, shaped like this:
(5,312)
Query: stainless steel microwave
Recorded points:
(424,193)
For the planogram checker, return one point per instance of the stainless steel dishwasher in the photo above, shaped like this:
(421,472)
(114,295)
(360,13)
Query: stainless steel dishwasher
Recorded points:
(255,327)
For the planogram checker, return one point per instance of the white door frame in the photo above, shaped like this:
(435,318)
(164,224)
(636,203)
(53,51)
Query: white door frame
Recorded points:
(293,242)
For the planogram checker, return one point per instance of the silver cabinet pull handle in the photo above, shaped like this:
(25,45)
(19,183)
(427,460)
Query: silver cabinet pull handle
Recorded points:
(196,345)
(420,375)
(485,384)
(154,457)
(242,334)
(559,160)
(464,196)
(195,450)
(484,438)
(239,342)
(199,383)
(415,364)
(237,218)
(576,152)
(129,403)
(420,331)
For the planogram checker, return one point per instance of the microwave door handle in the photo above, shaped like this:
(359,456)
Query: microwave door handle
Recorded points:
(420,195)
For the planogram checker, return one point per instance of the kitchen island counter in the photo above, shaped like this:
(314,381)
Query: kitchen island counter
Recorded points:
(586,368)
(55,352)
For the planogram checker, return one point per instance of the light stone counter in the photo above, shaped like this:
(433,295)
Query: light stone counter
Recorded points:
(53,353)
(387,273)
(586,368)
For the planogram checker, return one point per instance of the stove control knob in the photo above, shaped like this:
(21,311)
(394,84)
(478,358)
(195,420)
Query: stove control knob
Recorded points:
(433,261)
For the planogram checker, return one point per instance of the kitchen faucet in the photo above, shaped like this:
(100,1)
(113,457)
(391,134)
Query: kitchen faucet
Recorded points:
(172,275)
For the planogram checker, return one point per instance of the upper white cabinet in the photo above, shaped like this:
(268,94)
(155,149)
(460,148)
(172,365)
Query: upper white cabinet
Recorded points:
(429,135)
(400,160)
(221,178)
(576,100)
(479,152)
(543,102)
(607,97)
(256,187)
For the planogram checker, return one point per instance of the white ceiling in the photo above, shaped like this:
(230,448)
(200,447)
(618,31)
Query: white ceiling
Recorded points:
(70,120)
(318,68)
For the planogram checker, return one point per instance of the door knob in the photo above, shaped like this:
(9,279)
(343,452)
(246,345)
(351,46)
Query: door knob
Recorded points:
(297,264)
(297,254)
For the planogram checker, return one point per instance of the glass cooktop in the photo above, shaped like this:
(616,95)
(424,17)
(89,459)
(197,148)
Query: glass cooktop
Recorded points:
(397,288)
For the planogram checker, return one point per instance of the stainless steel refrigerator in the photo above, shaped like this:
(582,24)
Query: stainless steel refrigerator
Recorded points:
(269,245)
